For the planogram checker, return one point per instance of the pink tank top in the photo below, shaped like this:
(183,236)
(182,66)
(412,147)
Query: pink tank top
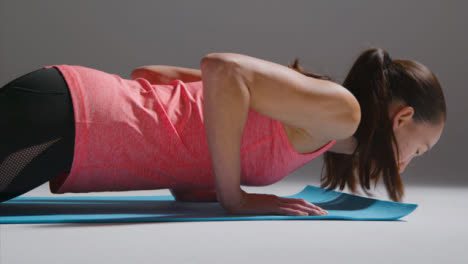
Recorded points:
(132,135)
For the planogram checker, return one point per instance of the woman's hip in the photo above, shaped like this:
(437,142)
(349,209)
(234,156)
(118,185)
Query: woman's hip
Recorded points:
(34,108)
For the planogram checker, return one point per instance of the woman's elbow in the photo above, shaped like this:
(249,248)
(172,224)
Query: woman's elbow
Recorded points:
(217,61)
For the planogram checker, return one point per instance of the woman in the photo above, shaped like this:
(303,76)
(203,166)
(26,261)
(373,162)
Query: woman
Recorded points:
(202,133)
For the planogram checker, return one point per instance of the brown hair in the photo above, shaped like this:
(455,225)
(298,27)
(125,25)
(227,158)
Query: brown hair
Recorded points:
(378,81)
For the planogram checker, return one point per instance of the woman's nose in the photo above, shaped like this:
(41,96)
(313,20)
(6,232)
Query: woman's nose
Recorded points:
(402,166)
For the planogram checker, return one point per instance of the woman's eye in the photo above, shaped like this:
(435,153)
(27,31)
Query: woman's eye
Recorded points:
(417,152)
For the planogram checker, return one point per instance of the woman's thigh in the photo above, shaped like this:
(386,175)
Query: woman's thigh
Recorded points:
(37,131)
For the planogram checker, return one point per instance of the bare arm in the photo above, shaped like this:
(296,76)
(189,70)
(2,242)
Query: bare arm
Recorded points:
(164,74)
(232,83)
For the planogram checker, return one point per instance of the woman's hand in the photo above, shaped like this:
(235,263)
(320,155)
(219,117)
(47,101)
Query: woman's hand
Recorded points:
(260,204)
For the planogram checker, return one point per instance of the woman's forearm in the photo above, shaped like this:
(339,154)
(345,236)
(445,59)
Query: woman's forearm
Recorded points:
(164,74)
(225,109)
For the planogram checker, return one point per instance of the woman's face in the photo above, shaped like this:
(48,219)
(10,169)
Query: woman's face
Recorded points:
(413,139)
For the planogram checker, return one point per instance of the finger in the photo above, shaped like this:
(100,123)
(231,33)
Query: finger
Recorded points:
(307,203)
(290,211)
(303,202)
(311,211)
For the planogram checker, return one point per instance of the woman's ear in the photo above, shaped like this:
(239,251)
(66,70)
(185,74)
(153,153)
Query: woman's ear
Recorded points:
(402,116)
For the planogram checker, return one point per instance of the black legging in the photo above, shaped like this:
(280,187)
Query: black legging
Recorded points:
(37,131)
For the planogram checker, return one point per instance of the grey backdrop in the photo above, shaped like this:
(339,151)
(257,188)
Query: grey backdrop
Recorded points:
(117,36)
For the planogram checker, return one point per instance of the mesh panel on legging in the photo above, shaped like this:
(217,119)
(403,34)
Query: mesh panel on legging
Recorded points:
(14,163)
(37,131)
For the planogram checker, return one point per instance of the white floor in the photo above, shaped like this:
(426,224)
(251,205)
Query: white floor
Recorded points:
(435,233)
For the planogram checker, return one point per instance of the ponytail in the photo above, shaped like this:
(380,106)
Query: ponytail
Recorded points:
(374,156)
(295,65)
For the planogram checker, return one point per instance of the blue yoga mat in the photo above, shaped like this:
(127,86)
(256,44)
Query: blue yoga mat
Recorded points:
(164,208)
